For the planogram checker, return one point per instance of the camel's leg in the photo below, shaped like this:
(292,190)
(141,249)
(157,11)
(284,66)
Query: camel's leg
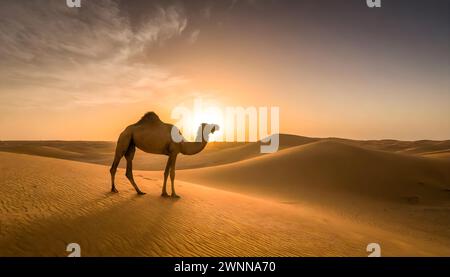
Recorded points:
(172,175)
(123,143)
(113,170)
(166,175)
(129,155)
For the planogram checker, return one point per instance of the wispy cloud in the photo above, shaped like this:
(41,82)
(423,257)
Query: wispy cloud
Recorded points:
(85,56)
(194,36)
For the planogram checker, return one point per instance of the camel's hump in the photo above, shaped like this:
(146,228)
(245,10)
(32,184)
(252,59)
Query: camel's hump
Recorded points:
(149,117)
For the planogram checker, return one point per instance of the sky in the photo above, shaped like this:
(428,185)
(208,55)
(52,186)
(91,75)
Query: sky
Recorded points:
(334,68)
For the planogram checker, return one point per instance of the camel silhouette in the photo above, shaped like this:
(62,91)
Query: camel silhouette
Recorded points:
(151,135)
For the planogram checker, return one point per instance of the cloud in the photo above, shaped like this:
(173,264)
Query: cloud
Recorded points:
(86,56)
(194,36)
(207,12)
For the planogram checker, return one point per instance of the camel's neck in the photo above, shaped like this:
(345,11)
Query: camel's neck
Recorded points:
(192,148)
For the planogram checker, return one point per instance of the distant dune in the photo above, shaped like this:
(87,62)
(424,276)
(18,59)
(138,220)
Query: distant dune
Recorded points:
(102,152)
(314,197)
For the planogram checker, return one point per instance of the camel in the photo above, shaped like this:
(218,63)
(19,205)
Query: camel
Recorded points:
(151,135)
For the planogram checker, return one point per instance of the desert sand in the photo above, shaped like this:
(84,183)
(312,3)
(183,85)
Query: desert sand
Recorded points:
(315,197)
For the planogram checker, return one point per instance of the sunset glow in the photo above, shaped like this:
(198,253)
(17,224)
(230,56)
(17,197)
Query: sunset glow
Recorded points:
(334,69)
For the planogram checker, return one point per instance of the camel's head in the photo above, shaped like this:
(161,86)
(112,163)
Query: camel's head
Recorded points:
(208,129)
(214,128)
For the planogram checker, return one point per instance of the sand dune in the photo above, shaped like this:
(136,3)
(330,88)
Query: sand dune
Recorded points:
(47,203)
(314,197)
(406,147)
(330,167)
(404,193)
(103,152)
(215,153)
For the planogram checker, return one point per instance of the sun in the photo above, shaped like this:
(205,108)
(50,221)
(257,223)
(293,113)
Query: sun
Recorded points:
(210,115)
(190,117)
